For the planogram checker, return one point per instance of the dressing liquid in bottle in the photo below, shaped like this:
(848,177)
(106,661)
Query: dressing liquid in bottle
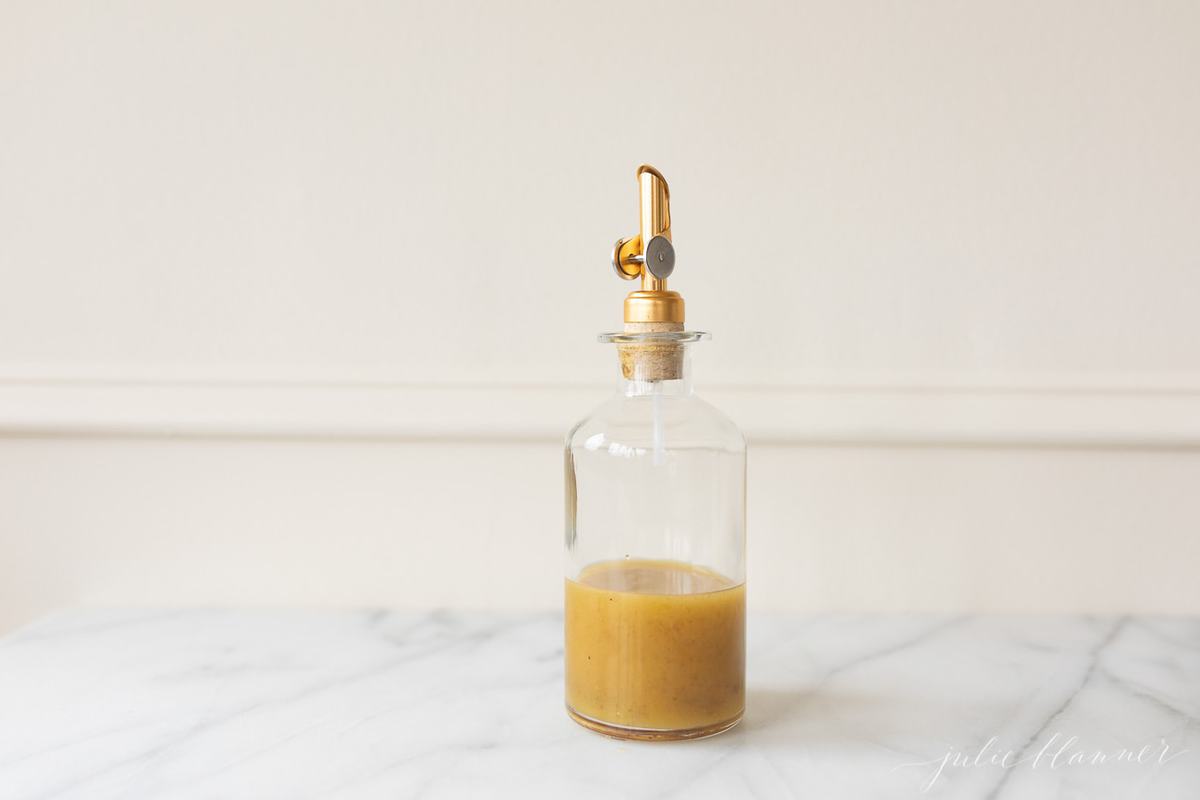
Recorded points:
(655,529)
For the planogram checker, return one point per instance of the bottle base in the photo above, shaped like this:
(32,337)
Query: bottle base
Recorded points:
(653,734)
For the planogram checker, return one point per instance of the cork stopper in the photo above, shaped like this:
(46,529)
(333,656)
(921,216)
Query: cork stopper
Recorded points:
(657,361)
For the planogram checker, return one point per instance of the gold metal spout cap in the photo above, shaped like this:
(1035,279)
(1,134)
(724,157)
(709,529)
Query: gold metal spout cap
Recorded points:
(650,255)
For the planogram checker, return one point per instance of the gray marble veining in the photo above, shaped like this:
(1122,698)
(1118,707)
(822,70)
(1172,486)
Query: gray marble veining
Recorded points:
(305,704)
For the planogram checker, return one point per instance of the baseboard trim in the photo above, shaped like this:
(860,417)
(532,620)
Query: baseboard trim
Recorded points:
(874,415)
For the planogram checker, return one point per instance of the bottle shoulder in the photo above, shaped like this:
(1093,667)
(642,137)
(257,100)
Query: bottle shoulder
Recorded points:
(685,420)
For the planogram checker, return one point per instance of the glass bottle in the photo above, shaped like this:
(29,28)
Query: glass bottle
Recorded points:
(655,547)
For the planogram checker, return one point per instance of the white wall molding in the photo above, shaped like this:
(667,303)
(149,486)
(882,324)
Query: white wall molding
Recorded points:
(334,408)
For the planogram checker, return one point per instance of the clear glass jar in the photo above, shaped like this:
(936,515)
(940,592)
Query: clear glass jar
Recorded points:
(655,554)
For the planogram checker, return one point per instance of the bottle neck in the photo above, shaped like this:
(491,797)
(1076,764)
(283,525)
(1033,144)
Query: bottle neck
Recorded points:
(645,379)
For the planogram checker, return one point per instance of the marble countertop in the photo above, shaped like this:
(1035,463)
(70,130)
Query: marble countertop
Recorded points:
(311,704)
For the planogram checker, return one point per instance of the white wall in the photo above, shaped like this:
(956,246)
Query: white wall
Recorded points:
(280,284)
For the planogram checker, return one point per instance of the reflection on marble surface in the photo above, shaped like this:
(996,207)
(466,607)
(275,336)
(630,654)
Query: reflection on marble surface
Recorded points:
(307,704)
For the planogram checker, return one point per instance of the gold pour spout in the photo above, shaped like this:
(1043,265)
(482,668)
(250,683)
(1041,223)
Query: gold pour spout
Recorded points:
(650,256)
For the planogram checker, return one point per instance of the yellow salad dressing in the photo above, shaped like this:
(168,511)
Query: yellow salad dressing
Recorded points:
(655,645)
